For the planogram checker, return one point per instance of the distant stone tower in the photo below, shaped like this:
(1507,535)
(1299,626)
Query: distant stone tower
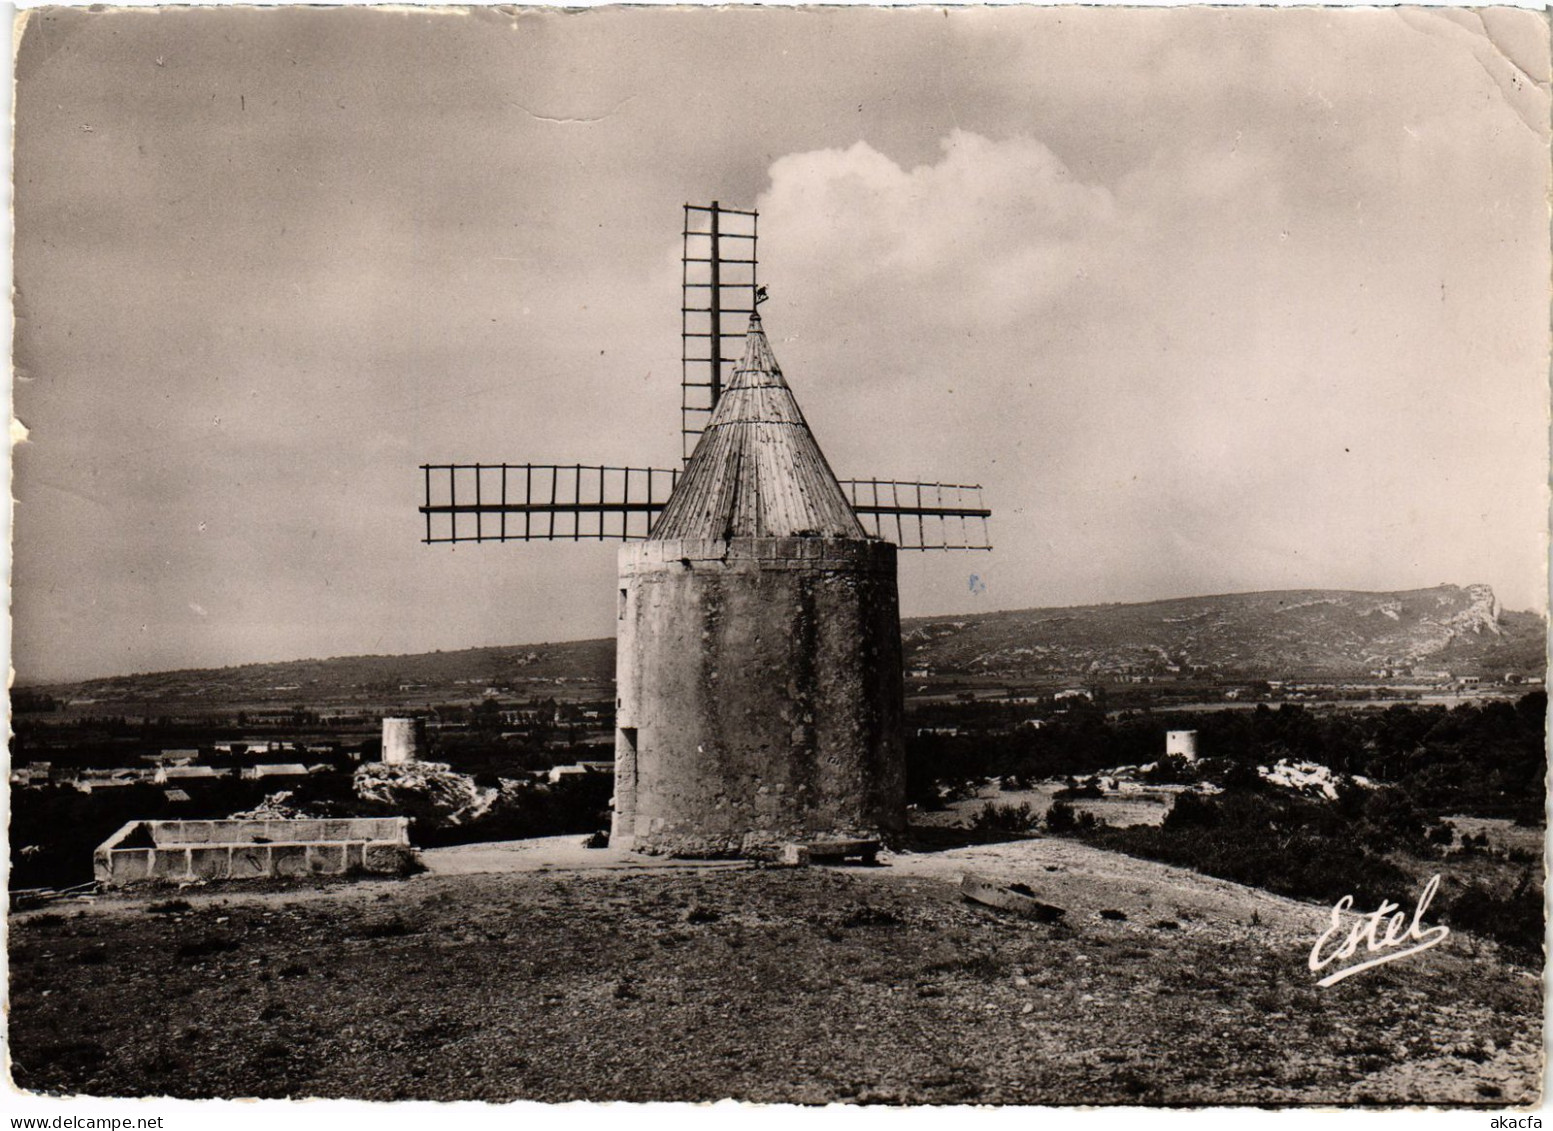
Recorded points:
(1181,744)
(404,740)
(759,650)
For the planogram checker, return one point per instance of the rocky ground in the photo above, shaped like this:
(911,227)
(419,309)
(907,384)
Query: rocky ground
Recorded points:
(559,980)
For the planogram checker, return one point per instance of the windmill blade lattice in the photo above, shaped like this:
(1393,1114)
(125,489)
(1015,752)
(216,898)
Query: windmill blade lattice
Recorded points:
(720,290)
(542,502)
(920,516)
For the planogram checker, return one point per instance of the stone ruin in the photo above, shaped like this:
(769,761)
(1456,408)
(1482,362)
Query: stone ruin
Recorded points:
(184,851)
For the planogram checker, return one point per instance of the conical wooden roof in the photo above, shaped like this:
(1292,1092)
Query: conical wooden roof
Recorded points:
(757,471)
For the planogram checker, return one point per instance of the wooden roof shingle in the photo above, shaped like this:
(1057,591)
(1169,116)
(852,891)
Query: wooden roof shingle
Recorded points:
(757,471)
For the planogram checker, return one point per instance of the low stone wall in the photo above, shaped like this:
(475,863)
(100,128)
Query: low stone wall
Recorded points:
(145,851)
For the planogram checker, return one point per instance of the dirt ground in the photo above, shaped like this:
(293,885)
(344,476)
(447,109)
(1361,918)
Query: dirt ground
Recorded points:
(519,972)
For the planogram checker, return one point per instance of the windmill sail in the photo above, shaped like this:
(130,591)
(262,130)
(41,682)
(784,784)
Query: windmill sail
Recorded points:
(763,474)
(718,290)
(546,502)
(542,502)
(921,516)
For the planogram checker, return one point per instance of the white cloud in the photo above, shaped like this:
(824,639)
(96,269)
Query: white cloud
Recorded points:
(987,233)
(1211,376)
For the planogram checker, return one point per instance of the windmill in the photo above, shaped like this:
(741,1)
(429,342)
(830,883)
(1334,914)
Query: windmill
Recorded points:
(758,657)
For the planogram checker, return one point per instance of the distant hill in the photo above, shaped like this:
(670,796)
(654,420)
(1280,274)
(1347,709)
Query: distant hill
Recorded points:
(1305,632)
(526,670)
(1301,632)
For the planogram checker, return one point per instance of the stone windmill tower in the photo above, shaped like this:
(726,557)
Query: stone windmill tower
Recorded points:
(758,658)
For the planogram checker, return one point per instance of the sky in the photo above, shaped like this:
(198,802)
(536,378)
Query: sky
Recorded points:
(1208,300)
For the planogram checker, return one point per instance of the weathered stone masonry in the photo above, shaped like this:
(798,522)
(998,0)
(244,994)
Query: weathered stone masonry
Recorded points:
(760,695)
(758,653)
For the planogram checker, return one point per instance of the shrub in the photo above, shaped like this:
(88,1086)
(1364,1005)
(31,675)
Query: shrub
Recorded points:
(1240,775)
(1285,844)
(1060,818)
(961,790)
(1514,919)
(1005,818)
(1390,820)
(1090,788)
(1192,811)
(1171,770)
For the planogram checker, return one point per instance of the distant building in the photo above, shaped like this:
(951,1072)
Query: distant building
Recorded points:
(580,769)
(274,770)
(253,746)
(187,773)
(93,779)
(173,757)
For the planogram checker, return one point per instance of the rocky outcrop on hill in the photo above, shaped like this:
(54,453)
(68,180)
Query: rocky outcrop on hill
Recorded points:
(1309,778)
(429,791)
(432,790)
